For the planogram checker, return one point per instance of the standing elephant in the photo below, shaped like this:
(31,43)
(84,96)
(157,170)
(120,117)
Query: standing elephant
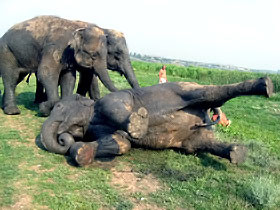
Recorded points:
(169,115)
(117,60)
(53,48)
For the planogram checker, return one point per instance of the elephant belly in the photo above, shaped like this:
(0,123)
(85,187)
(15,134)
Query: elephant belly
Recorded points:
(169,131)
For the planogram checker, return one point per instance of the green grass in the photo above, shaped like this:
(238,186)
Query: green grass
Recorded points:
(33,178)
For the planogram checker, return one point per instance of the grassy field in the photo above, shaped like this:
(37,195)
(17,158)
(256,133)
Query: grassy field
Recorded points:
(32,178)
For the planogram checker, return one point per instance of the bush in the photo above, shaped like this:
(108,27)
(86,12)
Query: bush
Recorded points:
(262,192)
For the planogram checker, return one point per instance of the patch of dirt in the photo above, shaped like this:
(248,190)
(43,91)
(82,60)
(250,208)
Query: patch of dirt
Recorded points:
(37,168)
(24,202)
(106,164)
(145,206)
(130,182)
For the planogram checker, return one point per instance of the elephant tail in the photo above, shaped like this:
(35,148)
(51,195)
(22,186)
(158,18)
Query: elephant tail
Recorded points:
(29,75)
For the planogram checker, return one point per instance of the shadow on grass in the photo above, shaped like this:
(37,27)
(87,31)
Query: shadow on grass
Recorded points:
(205,159)
(160,164)
(194,172)
(27,100)
(39,143)
(208,161)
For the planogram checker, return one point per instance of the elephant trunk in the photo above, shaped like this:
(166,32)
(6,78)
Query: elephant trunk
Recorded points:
(51,141)
(130,75)
(103,75)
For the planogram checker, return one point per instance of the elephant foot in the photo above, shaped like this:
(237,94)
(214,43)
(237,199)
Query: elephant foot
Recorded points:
(238,154)
(83,153)
(269,87)
(11,110)
(265,86)
(46,107)
(138,123)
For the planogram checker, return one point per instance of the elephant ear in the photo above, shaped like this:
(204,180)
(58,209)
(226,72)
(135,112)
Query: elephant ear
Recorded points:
(89,45)
(81,56)
(77,40)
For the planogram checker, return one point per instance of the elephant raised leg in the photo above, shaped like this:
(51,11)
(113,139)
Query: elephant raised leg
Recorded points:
(211,96)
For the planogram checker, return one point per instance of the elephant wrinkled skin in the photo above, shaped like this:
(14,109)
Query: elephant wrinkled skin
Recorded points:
(53,48)
(169,115)
(118,60)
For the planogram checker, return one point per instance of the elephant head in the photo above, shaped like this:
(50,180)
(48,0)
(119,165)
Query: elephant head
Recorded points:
(90,52)
(118,58)
(68,120)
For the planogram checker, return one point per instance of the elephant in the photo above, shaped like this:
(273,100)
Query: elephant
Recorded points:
(117,60)
(168,115)
(53,48)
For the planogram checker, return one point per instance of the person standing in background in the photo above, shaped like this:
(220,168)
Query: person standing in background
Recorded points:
(162,75)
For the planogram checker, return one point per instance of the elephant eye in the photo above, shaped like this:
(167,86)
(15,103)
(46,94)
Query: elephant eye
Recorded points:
(58,105)
(117,57)
(92,55)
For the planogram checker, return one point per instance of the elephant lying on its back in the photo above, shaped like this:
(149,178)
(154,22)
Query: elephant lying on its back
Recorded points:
(169,115)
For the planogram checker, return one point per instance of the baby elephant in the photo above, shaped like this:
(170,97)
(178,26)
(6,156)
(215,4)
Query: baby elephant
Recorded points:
(169,115)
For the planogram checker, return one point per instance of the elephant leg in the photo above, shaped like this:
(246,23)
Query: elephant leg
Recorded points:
(11,74)
(84,82)
(9,100)
(210,96)
(40,95)
(10,80)
(118,111)
(94,92)
(67,82)
(203,141)
(48,74)
(110,145)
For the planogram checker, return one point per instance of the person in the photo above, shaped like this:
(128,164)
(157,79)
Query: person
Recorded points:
(162,75)
(224,121)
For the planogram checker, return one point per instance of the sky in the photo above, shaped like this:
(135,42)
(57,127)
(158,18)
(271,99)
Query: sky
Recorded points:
(244,33)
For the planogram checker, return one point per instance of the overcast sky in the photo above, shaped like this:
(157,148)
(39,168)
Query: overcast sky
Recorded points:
(244,33)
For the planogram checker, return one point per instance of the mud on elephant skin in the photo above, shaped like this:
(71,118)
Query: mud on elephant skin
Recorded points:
(169,115)
(54,48)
